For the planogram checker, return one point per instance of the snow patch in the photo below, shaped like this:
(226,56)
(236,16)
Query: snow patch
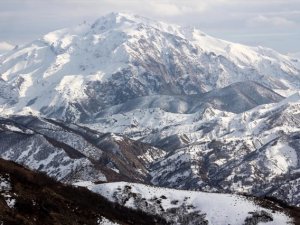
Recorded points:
(5,190)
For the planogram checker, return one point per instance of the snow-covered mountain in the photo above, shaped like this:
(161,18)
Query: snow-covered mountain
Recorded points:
(76,73)
(164,104)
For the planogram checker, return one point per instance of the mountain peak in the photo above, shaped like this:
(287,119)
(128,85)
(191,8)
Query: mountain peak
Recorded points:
(127,20)
(115,18)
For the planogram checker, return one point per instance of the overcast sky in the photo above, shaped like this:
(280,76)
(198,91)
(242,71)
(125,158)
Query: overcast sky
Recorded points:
(270,23)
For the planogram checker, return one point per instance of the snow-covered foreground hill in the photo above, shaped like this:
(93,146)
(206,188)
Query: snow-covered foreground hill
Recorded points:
(189,207)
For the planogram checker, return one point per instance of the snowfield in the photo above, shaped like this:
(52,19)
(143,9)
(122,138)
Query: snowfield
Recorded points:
(216,209)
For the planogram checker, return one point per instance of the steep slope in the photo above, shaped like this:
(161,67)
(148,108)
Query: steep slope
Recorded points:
(69,152)
(31,198)
(74,73)
(188,207)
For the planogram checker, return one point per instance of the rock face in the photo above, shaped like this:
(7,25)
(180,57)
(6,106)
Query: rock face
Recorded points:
(153,103)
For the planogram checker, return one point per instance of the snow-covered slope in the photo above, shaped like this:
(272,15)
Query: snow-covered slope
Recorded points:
(188,207)
(76,72)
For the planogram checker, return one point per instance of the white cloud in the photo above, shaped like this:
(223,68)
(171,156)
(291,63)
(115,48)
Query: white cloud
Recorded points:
(275,21)
(173,8)
(295,55)
(164,8)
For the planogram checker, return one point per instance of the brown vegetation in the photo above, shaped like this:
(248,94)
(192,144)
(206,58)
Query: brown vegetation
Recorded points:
(42,200)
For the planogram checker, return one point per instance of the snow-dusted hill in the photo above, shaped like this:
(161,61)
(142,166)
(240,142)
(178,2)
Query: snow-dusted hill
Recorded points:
(77,72)
(69,152)
(190,208)
(254,152)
